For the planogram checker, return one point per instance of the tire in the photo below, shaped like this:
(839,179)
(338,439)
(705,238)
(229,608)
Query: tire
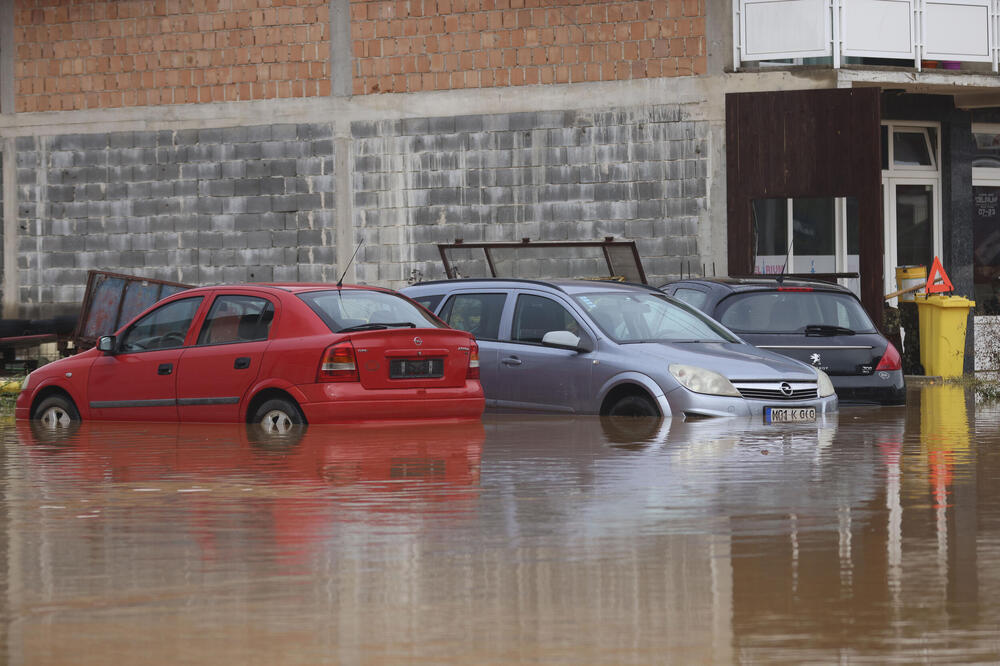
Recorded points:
(633,405)
(56,412)
(277,416)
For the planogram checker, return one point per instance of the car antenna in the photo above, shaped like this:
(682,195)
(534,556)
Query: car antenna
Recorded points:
(781,275)
(341,280)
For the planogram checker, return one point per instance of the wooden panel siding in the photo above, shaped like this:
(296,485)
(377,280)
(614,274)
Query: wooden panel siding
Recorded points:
(809,143)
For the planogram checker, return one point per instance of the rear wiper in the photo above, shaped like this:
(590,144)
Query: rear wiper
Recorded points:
(827,329)
(375,326)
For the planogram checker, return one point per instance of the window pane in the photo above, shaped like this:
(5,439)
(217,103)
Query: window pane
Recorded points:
(914,225)
(534,316)
(692,297)
(164,328)
(478,314)
(346,308)
(770,218)
(910,149)
(237,319)
(885,147)
(987,150)
(792,311)
(986,249)
(814,233)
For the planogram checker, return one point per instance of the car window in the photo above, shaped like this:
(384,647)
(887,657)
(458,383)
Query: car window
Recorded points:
(627,316)
(792,311)
(429,302)
(534,316)
(237,318)
(163,328)
(693,297)
(478,314)
(348,308)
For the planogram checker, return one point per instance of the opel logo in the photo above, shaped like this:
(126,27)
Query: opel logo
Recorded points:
(786,389)
(417,341)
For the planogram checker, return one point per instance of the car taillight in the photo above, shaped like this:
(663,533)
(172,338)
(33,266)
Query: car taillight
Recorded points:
(890,359)
(795,288)
(473,372)
(338,364)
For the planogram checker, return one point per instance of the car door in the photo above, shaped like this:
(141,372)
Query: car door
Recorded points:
(537,377)
(139,381)
(225,359)
(481,313)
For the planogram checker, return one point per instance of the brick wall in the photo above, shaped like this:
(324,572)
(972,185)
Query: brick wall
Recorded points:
(419,45)
(87,54)
(197,206)
(635,174)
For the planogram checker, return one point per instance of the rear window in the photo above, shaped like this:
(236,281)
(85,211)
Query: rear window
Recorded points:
(347,308)
(792,311)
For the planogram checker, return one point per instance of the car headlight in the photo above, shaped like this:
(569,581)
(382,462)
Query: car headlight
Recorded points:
(701,380)
(823,384)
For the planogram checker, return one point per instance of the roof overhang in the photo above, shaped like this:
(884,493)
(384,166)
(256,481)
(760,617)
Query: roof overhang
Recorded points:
(970,90)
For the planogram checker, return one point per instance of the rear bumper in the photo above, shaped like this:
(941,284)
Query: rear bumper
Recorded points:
(350,402)
(872,389)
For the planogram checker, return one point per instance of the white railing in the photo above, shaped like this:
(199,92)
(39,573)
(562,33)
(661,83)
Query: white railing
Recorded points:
(917,30)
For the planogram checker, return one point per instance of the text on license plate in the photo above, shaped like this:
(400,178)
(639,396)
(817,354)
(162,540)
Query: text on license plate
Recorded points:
(406,368)
(789,414)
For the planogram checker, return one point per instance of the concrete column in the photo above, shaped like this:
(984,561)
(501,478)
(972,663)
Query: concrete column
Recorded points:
(341,53)
(8,179)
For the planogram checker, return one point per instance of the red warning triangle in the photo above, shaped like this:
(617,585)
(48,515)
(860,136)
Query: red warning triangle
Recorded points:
(937,271)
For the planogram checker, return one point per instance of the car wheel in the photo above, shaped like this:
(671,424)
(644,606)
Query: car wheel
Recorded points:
(57,412)
(633,405)
(277,415)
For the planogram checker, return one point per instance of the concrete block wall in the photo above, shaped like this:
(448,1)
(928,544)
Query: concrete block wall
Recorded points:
(419,45)
(199,206)
(635,174)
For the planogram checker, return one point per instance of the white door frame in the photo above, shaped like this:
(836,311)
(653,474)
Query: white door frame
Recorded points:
(909,175)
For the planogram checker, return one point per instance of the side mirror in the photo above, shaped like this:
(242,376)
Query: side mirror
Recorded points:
(567,340)
(106,343)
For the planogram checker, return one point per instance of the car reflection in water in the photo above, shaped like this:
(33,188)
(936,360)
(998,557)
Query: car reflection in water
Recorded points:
(303,481)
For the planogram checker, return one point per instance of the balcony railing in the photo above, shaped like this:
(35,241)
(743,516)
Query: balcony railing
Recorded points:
(917,30)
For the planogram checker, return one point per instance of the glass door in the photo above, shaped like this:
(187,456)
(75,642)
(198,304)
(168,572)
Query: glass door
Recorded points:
(911,194)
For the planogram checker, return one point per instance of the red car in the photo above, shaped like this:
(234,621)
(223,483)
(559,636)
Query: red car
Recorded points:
(277,355)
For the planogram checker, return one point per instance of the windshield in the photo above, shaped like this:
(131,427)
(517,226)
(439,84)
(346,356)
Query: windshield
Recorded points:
(648,317)
(793,312)
(354,308)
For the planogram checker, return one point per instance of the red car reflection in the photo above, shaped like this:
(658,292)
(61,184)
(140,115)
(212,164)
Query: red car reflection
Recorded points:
(277,355)
(301,483)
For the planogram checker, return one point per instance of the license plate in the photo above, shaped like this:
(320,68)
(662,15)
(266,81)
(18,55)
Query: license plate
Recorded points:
(422,368)
(789,414)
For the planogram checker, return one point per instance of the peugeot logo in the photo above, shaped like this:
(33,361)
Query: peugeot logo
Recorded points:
(417,341)
(786,389)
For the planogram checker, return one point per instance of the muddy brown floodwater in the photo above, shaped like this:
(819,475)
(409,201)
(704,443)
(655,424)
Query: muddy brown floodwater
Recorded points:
(873,535)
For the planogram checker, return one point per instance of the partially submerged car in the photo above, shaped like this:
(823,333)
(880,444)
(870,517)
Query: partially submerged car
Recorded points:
(618,349)
(816,322)
(277,355)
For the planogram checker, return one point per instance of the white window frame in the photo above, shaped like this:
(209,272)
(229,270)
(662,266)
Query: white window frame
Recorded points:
(986,176)
(909,175)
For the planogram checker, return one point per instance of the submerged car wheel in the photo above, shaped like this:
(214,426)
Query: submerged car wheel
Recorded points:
(633,405)
(57,412)
(277,415)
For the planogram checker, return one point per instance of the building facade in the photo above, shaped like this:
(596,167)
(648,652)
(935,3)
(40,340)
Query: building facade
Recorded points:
(205,141)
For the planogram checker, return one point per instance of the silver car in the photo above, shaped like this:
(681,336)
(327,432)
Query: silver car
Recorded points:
(618,349)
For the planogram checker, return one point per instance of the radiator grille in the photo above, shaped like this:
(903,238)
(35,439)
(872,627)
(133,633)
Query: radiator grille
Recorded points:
(775,393)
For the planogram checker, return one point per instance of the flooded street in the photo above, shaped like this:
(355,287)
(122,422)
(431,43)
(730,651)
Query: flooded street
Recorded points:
(873,535)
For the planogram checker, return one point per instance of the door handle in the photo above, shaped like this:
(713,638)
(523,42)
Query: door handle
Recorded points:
(512,360)
(165,369)
(242,363)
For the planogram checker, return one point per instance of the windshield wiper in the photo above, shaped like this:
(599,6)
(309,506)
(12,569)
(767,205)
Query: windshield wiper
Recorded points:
(827,329)
(376,326)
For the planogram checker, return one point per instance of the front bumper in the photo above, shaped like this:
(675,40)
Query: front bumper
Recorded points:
(683,401)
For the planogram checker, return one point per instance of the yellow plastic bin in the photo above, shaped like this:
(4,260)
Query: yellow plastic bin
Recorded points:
(909,276)
(943,320)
